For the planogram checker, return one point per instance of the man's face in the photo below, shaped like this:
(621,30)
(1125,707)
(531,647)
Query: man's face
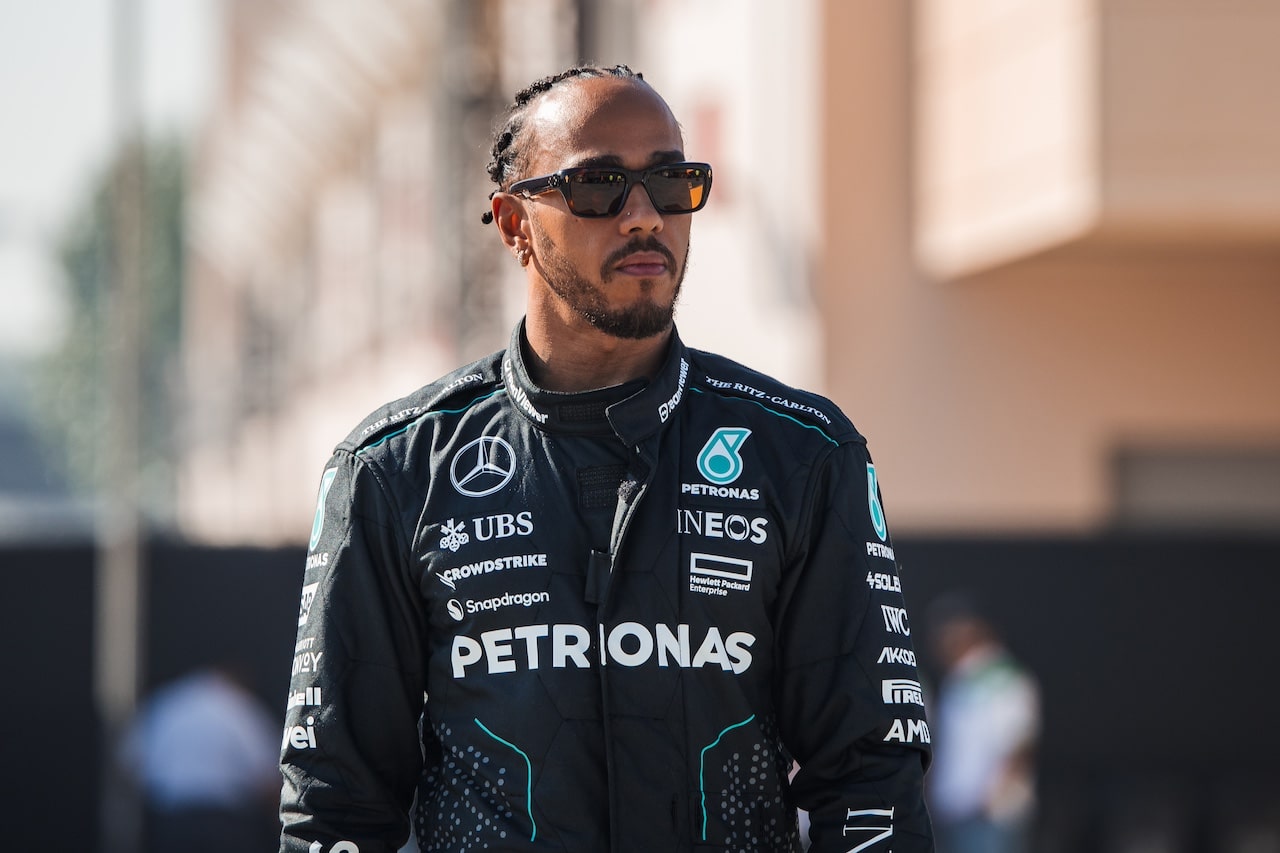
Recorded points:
(620,274)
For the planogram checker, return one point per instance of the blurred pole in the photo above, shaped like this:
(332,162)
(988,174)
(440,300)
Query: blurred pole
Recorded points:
(118,641)
(468,101)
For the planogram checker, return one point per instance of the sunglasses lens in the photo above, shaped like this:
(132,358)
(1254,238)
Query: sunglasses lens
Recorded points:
(601,192)
(682,189)
(596,192)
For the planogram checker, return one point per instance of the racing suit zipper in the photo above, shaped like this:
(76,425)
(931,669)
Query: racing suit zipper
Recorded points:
(629,497)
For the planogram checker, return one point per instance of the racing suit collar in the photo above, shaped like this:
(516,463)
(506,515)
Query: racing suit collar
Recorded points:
(633,410)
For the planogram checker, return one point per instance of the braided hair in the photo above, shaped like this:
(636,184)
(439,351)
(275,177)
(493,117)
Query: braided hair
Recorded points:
(507,155)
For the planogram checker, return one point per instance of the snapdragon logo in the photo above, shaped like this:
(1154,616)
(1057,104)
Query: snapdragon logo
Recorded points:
(630,644)
(472,606)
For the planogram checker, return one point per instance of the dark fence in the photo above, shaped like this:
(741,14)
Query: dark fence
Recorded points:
(204,607)
(1157,660)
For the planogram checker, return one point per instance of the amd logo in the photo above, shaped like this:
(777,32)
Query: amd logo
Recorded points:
(915,731)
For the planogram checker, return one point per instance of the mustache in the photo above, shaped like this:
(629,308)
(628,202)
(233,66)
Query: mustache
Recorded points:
(649,244)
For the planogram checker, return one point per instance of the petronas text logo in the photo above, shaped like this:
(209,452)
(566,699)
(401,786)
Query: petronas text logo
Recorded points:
(719,461)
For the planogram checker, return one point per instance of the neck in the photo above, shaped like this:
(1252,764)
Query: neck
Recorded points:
(580,357)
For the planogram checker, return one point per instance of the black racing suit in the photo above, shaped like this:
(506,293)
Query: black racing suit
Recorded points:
(603,621)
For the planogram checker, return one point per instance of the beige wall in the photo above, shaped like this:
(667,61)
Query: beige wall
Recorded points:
(997,396)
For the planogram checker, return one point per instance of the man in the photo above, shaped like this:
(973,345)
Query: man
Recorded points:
(988,715)
(202,749)
(633,580)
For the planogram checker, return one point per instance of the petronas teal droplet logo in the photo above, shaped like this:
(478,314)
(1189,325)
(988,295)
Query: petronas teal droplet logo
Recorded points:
(317,524)
(873,500)
(718,461)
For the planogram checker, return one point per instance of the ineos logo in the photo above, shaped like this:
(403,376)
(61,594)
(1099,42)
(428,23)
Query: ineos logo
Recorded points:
(482,467)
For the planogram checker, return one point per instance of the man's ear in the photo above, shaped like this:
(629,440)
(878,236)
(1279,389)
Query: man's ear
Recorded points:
(512,219)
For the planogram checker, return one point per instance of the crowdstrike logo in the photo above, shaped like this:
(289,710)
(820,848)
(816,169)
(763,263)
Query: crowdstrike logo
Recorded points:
(482,466)
(450,577)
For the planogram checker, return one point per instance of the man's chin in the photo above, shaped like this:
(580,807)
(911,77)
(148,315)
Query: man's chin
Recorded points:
(635,324)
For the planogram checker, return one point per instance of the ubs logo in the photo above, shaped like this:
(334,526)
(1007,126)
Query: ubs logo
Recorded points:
(482,467)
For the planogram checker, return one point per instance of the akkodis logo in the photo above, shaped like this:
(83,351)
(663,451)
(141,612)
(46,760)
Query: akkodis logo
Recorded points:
(719,461)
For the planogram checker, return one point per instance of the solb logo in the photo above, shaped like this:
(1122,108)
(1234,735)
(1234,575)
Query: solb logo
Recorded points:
(482,467)
(719,461)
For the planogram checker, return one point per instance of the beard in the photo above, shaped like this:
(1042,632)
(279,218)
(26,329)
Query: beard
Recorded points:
(642,319)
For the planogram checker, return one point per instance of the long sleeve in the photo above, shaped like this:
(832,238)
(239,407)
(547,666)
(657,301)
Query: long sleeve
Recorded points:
(351,753)
(850,698)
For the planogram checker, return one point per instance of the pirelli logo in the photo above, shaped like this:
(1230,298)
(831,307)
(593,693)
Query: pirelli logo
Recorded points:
(902,691)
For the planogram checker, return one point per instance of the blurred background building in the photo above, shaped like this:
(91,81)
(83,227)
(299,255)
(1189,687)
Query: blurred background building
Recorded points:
(1033,249)
(338,259)
(1050,253)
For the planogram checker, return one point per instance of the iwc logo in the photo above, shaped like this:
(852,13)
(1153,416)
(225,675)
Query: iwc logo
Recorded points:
(482,467)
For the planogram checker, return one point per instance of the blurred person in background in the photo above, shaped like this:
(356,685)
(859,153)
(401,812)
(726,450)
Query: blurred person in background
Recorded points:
(204,751)
(987,720)
(632,579)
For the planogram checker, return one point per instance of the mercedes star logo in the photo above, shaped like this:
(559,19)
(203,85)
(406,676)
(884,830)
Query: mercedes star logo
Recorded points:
(482,467)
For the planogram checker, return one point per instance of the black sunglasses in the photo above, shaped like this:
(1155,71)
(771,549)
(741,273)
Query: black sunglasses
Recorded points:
(603,191)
